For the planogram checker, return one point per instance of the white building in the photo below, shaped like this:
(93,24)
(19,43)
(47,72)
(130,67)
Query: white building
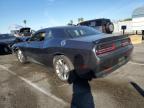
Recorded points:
(138,19)
(118,27)
(136,25)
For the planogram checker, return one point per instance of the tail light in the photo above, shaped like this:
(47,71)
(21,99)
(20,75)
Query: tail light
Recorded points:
(105,48)
(125,42)
(108,47)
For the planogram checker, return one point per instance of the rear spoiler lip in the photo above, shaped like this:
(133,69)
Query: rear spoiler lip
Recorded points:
(121,37)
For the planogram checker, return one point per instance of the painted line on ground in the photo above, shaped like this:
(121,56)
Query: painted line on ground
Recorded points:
(136,63)
(34,86)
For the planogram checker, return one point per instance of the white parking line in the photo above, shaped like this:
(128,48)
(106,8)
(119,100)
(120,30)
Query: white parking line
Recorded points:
(34,86)
(136,63)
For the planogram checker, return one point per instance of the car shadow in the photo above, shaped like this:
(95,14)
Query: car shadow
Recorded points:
(4,53)
(82,95)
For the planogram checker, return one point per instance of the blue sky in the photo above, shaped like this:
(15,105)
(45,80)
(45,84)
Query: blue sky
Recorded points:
(47,13)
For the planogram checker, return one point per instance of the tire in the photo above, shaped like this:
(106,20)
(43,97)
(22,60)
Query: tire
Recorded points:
(62,66)
(21,57)
(109,28)
(142,34)
(142,37)
(6,50)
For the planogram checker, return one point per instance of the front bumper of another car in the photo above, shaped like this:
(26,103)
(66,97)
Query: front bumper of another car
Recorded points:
(4,48)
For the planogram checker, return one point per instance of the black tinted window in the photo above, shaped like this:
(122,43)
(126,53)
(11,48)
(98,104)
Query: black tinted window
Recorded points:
(38,37)
(59,32)
(97,22)
(81,31)
(25,30)
(72,32)
(49,34)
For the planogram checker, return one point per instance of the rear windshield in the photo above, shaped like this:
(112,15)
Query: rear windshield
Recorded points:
(93,23)
(73,32)
(25,30)
(81,31)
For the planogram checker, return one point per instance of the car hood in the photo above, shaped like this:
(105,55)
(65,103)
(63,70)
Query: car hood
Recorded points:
(24,38)
(9,40)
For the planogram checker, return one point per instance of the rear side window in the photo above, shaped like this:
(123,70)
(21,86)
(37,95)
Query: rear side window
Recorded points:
(49,34)
(59,33)
(93,23)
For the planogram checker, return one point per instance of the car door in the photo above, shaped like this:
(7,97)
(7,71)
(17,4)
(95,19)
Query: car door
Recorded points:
(46,54)
(35,46)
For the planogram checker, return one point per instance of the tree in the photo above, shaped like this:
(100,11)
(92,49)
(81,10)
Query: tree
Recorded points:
(127,19)
(71,22)
(80,20)
(25,21)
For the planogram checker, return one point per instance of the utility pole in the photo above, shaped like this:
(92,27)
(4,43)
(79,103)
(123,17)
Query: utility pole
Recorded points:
(80,20)
(71,22)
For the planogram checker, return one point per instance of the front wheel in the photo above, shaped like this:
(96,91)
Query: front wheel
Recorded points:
(63,66)
(21,57)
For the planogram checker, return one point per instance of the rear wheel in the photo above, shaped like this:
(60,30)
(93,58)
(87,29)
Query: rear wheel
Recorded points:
(63,66)
(21,57)
(6,49)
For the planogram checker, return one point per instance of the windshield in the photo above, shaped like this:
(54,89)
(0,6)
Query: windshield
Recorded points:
(25,30)
(81,31)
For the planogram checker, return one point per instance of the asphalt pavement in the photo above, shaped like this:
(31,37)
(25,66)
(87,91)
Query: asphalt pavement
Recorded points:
(35,86)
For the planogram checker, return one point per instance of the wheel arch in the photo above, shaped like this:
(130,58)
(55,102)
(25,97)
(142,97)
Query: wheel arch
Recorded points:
(15,49)
(72,58)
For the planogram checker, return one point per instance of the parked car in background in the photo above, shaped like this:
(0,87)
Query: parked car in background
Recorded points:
(7,40)
(79,48)
(103,25)
(23,31)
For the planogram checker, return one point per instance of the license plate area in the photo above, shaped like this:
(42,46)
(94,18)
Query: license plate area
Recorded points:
(121,60)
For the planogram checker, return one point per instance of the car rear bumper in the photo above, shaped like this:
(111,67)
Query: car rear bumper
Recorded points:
(100,66)
(111,61)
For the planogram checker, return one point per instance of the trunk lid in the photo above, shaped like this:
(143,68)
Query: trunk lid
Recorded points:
(99,38)
(109,44)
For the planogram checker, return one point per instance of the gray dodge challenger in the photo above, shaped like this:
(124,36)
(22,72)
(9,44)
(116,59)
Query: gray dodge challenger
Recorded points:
(75,48)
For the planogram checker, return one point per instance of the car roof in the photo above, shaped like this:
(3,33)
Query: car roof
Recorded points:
(96,20)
